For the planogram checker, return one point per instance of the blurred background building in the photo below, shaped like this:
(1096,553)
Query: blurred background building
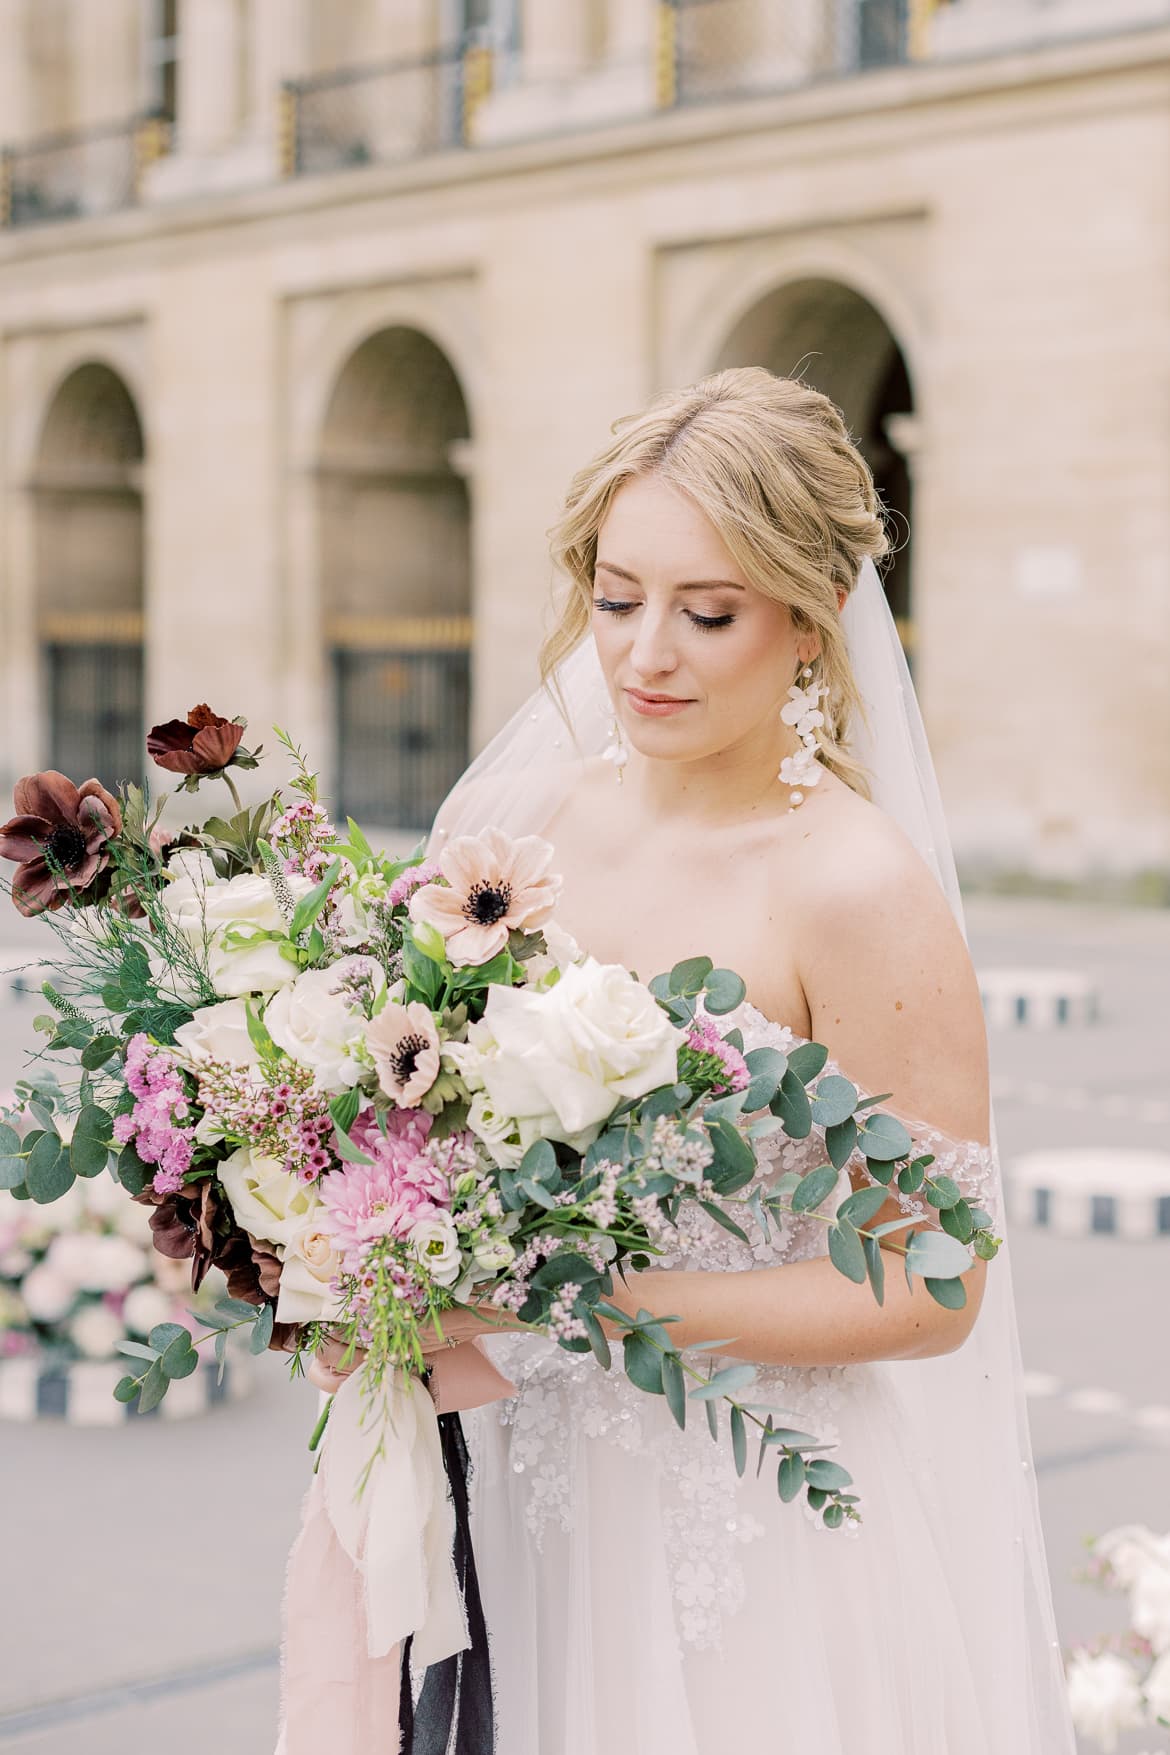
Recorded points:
(310,308)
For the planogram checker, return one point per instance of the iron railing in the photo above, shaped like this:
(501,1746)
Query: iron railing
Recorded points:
(402,696)
(724,48)
(86,171)
(388,110)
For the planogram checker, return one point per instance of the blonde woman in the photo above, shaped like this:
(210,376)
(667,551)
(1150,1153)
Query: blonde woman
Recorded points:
(729,762)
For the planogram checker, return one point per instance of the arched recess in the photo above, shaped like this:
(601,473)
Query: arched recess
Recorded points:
(89,584)
(834,338)
(395,571)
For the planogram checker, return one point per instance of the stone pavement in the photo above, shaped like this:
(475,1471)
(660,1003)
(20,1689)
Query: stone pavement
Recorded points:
(142,1567)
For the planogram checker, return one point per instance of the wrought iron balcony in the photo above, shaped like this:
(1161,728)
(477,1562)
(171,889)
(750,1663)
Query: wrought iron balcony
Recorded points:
(388,110)
(84,172)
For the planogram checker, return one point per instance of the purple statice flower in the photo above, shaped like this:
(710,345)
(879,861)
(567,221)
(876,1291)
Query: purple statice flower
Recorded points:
(157,1083)
(403,887)
(704,1038)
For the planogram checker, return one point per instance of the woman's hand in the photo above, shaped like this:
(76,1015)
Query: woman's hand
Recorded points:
(462,1323)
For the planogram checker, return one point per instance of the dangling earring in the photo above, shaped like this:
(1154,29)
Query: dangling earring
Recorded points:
(803,711)
(616,750)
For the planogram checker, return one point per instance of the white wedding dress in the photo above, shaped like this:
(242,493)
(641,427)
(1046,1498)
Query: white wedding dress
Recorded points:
(641,1599)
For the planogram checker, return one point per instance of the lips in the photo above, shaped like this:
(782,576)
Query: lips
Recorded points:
(655,706)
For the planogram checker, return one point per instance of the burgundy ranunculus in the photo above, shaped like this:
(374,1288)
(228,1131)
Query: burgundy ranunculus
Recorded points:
(200,1225)
(60,837)
(202,744)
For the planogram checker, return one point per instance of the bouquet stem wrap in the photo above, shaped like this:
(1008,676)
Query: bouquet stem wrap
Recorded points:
(369,1573)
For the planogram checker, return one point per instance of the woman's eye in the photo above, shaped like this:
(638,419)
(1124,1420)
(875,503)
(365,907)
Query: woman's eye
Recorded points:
(711,621)
(611,607)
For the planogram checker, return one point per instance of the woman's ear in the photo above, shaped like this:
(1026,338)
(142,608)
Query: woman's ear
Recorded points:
(842,598)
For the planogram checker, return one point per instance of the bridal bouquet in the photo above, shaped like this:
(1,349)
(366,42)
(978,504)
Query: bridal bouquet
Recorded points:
(372,1090)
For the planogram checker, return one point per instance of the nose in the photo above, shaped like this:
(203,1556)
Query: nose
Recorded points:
(652,653)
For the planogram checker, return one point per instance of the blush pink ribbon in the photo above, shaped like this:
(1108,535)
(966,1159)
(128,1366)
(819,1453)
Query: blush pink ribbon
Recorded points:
(363,1573)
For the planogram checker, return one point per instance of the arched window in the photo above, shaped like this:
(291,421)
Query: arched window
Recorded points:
(396,578)
(89,570)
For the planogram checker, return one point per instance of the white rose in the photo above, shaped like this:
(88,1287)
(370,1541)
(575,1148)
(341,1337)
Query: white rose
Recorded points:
(96,1331)
(14,1263)
(560,1061)
(313,1023)
(497,1132)
(145,1307)
(1104,1697)
(435,1242)
(217,1032)
(95,1263)
(48,1295)
(203,908)
(309,1266)
(265,1199)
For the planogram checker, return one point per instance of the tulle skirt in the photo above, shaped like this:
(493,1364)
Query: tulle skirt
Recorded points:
(643,1600)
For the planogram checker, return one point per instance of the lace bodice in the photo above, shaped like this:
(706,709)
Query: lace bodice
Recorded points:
(563,1397)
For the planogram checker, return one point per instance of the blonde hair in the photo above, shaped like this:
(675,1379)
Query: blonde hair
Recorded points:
(770,463)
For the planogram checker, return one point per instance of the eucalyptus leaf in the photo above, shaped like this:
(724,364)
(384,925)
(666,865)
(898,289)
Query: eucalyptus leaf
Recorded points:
(138,1350)
(834,1516)
(133,1174)
(154,1387)
(911,1178)
(807,1060)
(956,1221)
(95,1054)
(861,1206)
(9,1140)
(833,1101)
(712,1408)
(48,1173)
(724,991)
(540,1162)
(537,1193)
(883,1137)
(11,1171)
(674,1387)
(738,1440)
(180,1358)
(597,1339)
(89,1148)
(823,1472)
(126,1389)
(840,1140)
(790,1477)
(262,1329)
(846,1253)
(943,1191)
(688,976)
(724,1382)
(875,1267)
(814,1187)
(951,1294)
(791,1104)
(933,1255)
(643,1362)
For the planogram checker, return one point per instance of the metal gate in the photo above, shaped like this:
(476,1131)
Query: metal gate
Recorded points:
(402,717)
(95,716)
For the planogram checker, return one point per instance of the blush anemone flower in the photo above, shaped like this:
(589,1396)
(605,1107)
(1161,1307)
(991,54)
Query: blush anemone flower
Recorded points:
(203,743)
(493,886)
(405,1046)
(60,838)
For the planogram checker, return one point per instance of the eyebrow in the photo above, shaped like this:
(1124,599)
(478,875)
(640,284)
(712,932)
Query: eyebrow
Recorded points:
(691,585)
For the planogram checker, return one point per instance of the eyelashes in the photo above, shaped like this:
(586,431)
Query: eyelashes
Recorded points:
(707,622)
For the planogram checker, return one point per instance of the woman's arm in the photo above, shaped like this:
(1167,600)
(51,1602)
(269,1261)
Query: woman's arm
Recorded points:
(891,993)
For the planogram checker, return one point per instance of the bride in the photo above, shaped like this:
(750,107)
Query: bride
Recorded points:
(734,767)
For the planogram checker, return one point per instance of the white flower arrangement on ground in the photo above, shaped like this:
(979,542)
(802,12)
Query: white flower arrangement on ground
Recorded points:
(1122,1682)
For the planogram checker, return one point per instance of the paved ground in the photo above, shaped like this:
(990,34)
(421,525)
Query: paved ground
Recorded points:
(141,1574)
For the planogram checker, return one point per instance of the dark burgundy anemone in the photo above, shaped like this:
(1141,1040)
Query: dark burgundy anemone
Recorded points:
(60,838)
(203,743)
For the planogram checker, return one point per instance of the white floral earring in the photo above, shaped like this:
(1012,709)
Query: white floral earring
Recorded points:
(616,750)
(803,712)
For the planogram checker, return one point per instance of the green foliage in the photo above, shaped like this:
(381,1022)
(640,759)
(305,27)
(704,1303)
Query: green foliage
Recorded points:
(89,1149)
(48,1172)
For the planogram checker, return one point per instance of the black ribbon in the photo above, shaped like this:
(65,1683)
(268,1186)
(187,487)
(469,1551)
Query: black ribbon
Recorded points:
(456,1697)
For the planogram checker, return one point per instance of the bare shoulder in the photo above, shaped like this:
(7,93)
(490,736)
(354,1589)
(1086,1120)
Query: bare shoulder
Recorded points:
(884,966)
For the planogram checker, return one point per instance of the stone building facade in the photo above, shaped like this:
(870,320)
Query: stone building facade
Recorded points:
(308,311)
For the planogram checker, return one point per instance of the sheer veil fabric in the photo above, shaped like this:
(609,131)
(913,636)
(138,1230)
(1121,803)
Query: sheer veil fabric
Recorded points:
(962,1420)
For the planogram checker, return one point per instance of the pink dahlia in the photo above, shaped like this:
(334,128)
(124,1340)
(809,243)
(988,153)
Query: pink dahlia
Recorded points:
(366,1202)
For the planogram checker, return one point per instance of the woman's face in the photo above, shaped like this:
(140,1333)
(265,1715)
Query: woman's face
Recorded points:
(697,661)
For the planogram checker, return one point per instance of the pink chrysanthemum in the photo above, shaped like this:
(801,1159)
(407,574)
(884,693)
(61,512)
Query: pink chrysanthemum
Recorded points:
(366,1202)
